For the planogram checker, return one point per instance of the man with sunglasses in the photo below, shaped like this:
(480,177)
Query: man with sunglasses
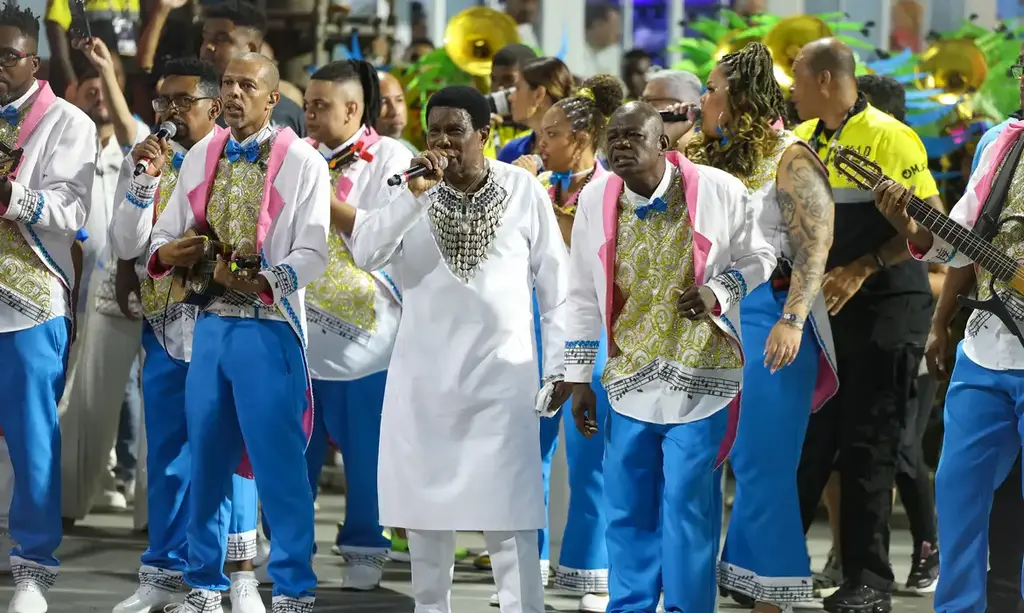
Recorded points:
(187,96)
(44,201)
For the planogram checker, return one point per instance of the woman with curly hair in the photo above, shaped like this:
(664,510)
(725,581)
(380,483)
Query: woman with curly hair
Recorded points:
(765,559)
(568,136)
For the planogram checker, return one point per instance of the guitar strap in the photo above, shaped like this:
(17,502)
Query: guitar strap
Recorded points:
(988,221)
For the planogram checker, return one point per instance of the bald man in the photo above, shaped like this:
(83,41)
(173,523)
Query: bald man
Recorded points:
(880,304)
(394,112)
(266,193)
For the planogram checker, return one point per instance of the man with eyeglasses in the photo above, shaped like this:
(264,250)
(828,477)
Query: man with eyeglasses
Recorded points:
(43,203)
(187,96)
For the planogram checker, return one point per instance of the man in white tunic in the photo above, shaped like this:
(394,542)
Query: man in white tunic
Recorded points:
(458,449)
(663,250)
(43,202)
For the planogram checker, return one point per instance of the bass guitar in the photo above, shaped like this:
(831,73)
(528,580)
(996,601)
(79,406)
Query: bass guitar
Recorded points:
(195,285)
(867,175)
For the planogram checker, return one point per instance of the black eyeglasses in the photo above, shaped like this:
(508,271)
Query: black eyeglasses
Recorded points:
(182,103)
(9,58)
(1016,71)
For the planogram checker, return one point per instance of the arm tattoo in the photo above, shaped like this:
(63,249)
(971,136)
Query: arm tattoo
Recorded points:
(805,200)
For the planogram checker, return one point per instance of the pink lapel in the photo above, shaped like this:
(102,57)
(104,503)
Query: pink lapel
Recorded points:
(200,194)
(599,172)
(43,101)
(272,200)
(610,216)
(691,184)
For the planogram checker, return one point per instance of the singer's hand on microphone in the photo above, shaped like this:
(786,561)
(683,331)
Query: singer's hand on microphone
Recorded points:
(154,150)
(528,163)
(675,130)
(434,161)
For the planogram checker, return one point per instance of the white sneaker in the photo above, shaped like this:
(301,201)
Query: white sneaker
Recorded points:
(245,593)
(494,601)
(31,581)
(157,589)
(594,603)
(197,601)
(363,572)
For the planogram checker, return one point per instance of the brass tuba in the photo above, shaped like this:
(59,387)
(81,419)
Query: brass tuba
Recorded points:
(954,65)
(473,37)
(787,38)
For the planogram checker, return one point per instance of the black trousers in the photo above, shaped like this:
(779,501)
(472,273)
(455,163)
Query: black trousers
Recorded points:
(1006,545)
(913,476)
(862,425)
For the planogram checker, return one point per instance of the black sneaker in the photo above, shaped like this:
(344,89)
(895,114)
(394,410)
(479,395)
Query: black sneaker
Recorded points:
(852,598)
(924,570)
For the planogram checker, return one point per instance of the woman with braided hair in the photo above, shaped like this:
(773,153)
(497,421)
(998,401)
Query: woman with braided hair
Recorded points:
(569,134)
(765,557)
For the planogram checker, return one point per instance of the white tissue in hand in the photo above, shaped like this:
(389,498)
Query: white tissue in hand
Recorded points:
(544,399)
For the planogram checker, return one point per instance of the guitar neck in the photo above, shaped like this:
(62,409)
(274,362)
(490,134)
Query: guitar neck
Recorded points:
(963,240)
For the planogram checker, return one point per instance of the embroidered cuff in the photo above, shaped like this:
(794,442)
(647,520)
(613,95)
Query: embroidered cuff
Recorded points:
(283,282)
(940,253)
(580,357)
(729,288)
(155,269)
(26,205)
(142,190)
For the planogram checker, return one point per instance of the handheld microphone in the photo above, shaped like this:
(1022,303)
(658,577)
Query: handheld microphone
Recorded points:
(167,130)
(413,172)
(692,114)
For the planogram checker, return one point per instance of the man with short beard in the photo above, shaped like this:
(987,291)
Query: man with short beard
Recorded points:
(266,193)
(188,98)
(43,203)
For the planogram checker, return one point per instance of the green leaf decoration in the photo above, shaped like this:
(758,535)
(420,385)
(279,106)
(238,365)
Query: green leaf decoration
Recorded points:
(855,42)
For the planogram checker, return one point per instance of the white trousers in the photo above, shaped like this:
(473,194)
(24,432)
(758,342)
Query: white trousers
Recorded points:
(515,562)
(90,410)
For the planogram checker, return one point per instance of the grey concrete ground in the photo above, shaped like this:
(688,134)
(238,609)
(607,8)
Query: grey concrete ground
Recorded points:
(100,557)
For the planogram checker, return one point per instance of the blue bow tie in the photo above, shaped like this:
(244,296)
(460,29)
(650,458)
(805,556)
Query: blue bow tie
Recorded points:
(177,160)
(561,179)
(11,115)
(234,151)
(656,205)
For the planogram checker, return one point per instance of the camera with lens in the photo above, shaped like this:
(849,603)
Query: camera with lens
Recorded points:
(501,102)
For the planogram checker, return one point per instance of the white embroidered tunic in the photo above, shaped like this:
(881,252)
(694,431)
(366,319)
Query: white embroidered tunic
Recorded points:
(458,447)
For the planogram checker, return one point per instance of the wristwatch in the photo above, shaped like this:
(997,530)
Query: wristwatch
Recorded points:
(793,319)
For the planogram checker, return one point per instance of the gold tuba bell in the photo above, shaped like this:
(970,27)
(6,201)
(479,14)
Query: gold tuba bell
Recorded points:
(474,35)
(731,43)
(787,38)
(955,65)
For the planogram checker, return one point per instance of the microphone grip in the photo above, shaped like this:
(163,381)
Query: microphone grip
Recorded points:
(162,134)
(405,176)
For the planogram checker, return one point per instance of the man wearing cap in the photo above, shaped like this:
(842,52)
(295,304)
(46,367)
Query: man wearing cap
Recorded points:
(666,88)
(469,242)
